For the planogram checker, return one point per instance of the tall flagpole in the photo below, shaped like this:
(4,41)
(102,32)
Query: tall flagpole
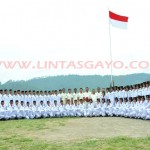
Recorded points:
(110,51)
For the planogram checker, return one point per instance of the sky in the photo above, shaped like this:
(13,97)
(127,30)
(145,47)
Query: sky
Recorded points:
(52,31)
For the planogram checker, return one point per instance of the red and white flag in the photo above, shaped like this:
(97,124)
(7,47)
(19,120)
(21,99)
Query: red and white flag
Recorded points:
(118,21)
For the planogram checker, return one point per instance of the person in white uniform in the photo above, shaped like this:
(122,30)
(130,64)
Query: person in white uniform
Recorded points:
(10,110)
(87,96)
(99,93)
(62,109)
(80,95)
(42,110)
(36,112)
(69,109)
(70,96)
(103,107)
(97,108)
(75,109)
(3,111)
(75,95)
(55,109)
(90,109)
(94,97)
(64,96)
(82,107)
(22,110)
(48,109)
(28,111)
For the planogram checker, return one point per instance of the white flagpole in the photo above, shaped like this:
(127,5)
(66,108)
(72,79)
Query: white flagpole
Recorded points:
(110,51)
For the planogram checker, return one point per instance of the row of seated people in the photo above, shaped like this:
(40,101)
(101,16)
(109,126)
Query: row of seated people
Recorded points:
(137,107)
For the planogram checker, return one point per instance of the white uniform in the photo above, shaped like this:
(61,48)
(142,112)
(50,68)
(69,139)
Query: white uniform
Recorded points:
(99,95)
(22,111)
(3,112)
(11,112)
(94,98)
(36,112)
(42,111)
(55,110)
(69,96)
(112,97)
(29,112)
(6,99)
(80,95)
(62,110)
(70,110)
(103,109)
(97,110)
(90,110)
(82,108)
(76,110)
(109,110)
(75,96)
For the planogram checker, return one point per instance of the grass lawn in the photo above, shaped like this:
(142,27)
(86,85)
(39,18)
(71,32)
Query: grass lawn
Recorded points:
(75,134)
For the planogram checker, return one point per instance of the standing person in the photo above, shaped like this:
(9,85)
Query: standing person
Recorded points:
(147,89)
(80,95)
(10,95)
(87,96)
(22,97)
(18,96)
(75,95)
(107,94)
(64,96)
(37,98)
(130,93)
(112,96)
(59,94)
(99,93)
(45,98)
(94,97)
(70,96)
(103,96)
(56,97)
(5,97)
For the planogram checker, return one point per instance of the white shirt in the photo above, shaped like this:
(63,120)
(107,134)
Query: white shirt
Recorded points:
(75,96)
(69,96)
(94,97)
(87,94)
(99,94)
(80,95)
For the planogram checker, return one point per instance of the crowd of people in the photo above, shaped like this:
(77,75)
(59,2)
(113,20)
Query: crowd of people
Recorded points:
(130,101)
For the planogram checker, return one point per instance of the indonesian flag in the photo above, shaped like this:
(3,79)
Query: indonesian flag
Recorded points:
(118,21)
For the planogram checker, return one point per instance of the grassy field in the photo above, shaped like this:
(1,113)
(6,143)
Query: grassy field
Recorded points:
(75,134)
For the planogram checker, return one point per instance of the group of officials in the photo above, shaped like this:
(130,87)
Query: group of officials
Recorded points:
(129,101)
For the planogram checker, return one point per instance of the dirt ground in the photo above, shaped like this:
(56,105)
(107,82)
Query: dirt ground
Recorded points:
(80,128)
